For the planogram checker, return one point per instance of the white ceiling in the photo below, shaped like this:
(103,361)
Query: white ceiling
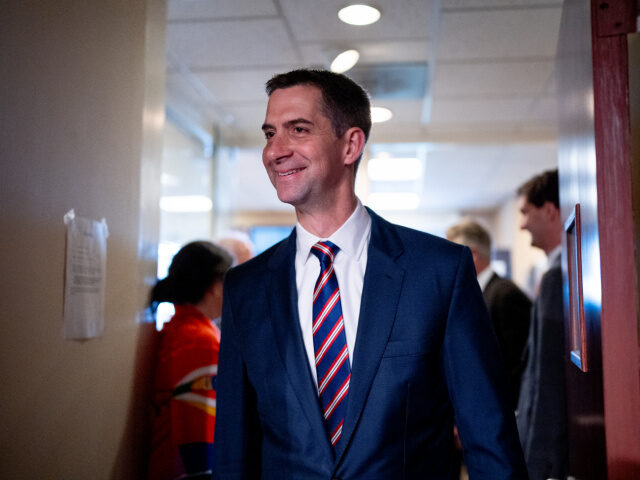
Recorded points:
(488,113)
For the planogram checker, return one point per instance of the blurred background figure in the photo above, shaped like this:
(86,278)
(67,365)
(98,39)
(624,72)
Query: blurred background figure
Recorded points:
(508,306)
(541,415)
(241,248)
(184,399)
(239,245)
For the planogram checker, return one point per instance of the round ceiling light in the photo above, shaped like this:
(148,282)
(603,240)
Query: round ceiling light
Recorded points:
(380,114)
(359,14)
(345,61)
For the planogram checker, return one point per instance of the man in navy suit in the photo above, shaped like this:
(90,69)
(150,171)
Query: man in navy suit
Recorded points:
(348,347)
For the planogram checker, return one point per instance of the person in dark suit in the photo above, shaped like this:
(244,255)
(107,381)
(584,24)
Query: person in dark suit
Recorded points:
(348,347)
(509,307)
(542,411)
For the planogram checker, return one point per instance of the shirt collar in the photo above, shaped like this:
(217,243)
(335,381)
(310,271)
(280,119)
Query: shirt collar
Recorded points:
(484,276)
(352,237)
(553,255)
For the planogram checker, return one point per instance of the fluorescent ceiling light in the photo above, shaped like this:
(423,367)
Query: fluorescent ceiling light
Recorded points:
(380,114)
(359,14)
(186,204)
(345,61)
(394,201)
(394,169)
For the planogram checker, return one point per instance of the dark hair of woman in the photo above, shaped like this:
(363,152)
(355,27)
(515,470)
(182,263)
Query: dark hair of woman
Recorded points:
(195,267)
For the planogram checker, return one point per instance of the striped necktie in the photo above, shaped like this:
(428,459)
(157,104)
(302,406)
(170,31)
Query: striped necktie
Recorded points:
(330,342)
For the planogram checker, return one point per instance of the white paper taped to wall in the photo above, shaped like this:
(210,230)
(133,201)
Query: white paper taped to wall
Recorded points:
(85,277)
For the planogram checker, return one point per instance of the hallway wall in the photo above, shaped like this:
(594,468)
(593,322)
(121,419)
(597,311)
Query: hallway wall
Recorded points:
(71,136)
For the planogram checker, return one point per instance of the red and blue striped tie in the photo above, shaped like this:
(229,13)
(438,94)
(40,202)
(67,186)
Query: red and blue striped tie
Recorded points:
(330,342)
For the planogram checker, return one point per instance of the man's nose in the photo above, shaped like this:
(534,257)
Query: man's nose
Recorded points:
(277,148)
(523,223)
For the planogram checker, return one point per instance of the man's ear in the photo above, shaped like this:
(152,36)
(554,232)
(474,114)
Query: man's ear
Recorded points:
(474,255)
(216,289)
(354,145)
(551,212)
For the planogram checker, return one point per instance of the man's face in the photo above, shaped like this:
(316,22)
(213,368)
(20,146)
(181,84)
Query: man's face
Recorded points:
(534,220)
(303,156)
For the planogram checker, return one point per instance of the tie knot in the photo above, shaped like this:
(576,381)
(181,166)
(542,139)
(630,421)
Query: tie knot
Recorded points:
(325,251)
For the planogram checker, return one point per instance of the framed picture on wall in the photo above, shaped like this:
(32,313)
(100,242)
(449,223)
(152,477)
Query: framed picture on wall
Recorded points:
(578,328)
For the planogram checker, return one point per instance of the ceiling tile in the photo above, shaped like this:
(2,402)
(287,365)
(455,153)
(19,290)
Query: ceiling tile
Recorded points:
(467,111)
(242,85)
(499,34)
(491,79)
(181,10)
(483,4)
(218,44)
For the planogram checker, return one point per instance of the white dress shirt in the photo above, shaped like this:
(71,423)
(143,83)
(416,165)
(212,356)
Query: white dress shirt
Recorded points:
(349,265)
(553,256)
(484,276)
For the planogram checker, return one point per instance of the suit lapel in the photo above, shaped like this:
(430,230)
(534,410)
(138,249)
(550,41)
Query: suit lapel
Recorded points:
(380,296)
(283,303)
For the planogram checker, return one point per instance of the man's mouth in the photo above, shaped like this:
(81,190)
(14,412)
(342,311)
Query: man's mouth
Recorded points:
(289,172)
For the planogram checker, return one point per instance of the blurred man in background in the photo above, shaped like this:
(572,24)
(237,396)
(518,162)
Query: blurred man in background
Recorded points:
(509,307)
(541,415)
(238,245)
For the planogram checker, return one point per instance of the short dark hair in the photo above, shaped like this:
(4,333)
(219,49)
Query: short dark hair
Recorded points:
(346,104)
(195,267)
(542,188)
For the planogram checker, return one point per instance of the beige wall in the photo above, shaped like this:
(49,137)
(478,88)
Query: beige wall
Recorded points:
(71,136)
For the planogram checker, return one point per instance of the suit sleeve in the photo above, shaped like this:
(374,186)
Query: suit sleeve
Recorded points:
(477,384)
(238,433)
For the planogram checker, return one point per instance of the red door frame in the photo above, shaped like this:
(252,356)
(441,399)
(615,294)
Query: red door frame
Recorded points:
(611,21)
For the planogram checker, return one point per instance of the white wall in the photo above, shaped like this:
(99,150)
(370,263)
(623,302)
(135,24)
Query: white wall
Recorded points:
(527,263)
(71,136)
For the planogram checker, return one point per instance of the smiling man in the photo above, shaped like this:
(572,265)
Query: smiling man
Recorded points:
(542,407)
(348,347)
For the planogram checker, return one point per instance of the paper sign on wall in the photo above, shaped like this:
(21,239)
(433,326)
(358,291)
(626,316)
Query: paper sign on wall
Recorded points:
(85,277)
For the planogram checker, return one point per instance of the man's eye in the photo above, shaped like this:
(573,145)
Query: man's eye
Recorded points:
(268,135)
(299,129)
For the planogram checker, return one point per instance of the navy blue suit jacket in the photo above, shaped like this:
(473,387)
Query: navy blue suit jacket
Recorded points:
(424,352)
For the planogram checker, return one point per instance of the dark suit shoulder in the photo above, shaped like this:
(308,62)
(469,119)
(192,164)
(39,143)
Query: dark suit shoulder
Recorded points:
(503,288)
(550,294)
(552,277)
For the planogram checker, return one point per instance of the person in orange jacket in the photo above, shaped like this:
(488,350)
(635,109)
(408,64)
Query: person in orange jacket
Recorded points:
(184,398)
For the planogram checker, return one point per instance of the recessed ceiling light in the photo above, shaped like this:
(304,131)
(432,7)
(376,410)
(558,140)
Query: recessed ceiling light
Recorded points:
(359,14)
(345,61)
(380,114)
